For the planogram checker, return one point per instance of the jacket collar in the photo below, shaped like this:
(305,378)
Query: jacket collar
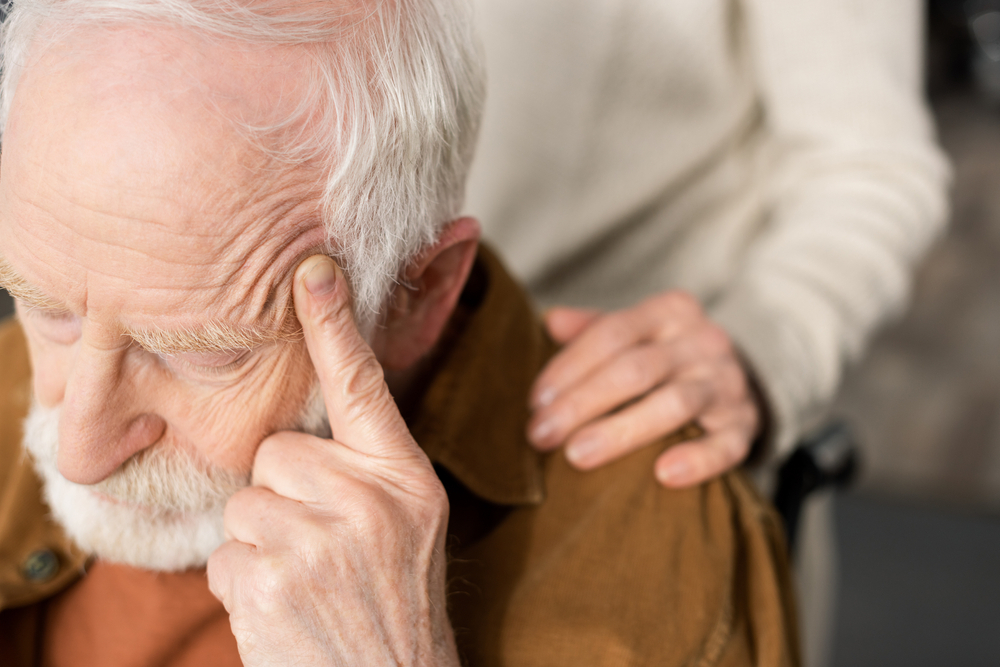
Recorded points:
(472,417)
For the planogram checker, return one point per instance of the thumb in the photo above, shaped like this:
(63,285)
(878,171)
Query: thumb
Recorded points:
(363,414)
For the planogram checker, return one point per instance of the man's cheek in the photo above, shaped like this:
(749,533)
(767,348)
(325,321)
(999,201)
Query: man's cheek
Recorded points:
(228,425)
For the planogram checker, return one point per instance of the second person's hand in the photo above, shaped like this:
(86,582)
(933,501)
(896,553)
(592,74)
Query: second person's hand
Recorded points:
(627,378)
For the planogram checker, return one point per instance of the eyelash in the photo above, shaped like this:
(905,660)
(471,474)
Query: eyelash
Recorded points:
(42,311)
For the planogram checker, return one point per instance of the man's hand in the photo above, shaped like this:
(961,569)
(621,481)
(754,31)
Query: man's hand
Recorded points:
(336,551)
(630,377)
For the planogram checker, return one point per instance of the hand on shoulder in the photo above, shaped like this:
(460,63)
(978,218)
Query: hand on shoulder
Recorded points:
(628,378)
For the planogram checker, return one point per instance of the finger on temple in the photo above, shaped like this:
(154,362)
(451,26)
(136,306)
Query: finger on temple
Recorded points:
(659,414)
(698,461)
(363,414)
(597,344)
(625,378)
(565,324)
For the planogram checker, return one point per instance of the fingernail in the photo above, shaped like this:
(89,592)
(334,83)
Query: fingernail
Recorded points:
(545,397)
(579,452)
(321,277)
(540,432)
(675,473)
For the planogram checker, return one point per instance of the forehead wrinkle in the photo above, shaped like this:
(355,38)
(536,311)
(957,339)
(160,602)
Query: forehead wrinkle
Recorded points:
(270,244)
(267,200)
(30,209)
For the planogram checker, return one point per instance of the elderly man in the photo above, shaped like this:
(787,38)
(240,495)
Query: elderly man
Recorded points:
(345,451)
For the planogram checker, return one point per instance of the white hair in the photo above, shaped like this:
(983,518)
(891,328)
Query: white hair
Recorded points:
(396,94)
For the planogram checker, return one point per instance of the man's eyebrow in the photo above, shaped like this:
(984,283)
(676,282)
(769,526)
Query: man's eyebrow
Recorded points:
(214,337)
(211,337)
(21,289)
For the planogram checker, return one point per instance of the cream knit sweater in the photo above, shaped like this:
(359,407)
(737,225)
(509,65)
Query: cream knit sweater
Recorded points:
(774,157)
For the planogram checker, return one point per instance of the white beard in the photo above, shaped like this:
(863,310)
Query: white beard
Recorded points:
(169,510)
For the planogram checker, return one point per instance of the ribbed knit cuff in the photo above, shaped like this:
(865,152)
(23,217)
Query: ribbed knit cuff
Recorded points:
(769,352)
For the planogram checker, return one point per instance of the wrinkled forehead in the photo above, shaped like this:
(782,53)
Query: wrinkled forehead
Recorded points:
(123,186)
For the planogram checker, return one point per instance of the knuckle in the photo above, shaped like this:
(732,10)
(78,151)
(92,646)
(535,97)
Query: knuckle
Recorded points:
(315,539)
(376,514)
(271,451)
(354,492)
(681,403)
(424,502)
(236,506)
(280,452)
(272,584)
(438,499)
(613,332)
(716,341)
(377,505)
(364,382)
(436,505)
(682,304)
(338,314)
(634,372)
(364,504)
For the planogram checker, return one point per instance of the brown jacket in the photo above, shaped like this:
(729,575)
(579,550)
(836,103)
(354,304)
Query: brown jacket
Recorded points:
(548,566)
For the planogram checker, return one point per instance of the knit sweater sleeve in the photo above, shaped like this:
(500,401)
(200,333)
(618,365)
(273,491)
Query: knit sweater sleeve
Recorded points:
(855,189)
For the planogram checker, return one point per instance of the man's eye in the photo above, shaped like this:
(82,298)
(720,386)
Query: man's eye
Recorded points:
(208,362)
(59,327)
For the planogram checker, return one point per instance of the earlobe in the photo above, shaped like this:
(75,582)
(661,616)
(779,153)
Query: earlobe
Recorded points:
(426,296)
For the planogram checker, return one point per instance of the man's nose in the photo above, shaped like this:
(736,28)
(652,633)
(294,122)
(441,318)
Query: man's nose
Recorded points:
(102,422)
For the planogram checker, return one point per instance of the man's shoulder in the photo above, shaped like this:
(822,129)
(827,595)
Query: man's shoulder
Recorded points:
(552,566)
(616,566)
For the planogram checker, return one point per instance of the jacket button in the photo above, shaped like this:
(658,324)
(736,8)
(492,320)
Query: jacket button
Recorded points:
(40,565)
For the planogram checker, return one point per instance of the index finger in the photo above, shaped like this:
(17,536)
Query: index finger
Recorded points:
(362,412)
(599,343)
(608,337)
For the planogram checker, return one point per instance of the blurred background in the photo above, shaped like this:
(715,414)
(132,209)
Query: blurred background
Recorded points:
(919,534)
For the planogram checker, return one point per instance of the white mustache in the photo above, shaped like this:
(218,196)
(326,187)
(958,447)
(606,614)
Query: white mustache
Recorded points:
(159,479)
(169,509)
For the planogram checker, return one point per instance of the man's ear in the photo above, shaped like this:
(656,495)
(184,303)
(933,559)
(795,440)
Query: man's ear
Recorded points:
(421,304)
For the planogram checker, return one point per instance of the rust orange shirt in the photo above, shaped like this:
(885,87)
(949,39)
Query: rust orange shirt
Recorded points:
(123,616)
